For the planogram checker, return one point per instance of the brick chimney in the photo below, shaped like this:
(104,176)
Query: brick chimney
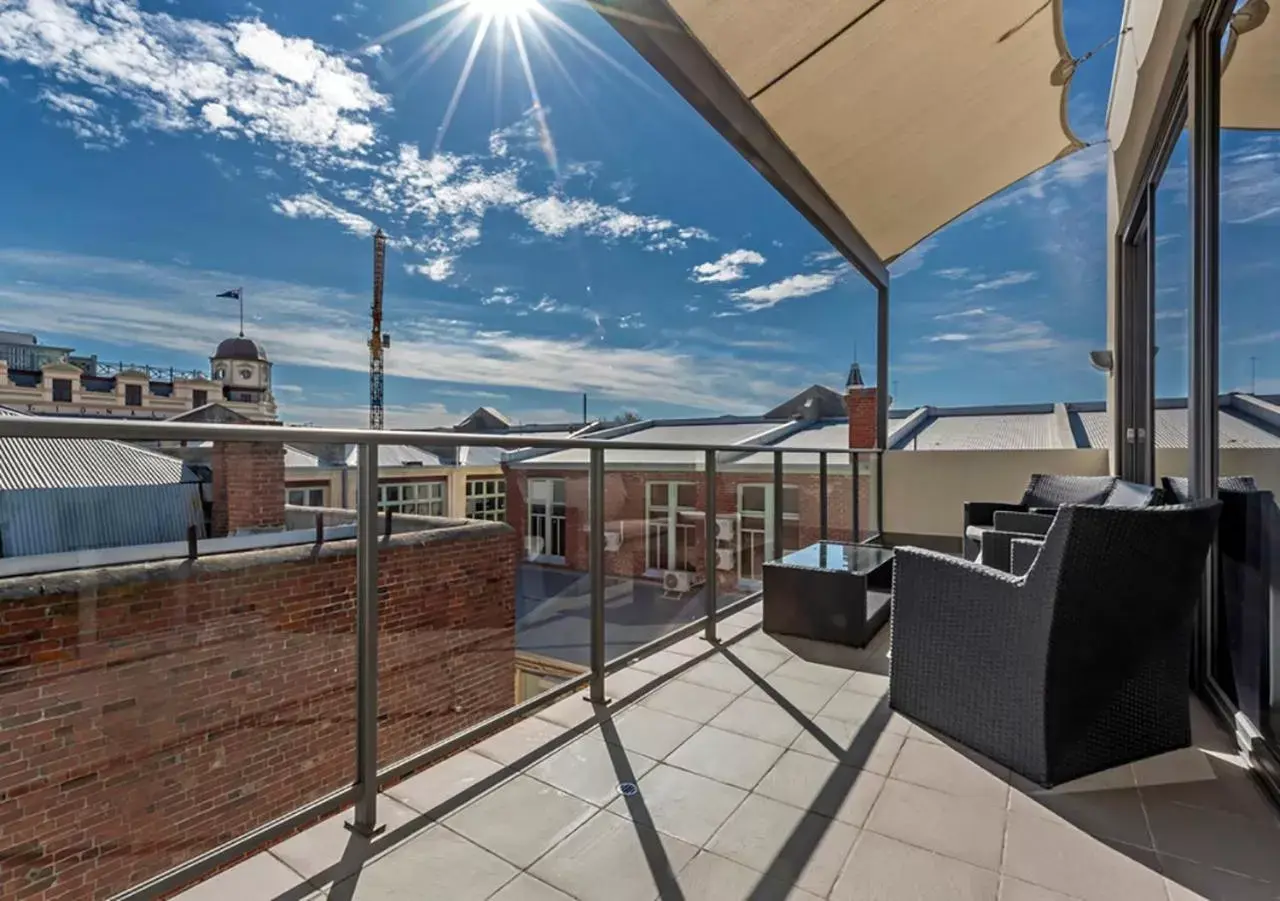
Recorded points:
(248,487)
(860,405)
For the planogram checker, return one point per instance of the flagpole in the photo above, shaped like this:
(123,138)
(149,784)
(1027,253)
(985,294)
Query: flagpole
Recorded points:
(240,294)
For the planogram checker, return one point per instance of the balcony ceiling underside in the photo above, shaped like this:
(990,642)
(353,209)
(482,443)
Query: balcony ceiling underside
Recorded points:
(903,114)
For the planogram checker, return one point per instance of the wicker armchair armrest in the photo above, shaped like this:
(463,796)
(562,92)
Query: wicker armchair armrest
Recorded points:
(968,649)
(1026,523)
(982,513)
(1022,554)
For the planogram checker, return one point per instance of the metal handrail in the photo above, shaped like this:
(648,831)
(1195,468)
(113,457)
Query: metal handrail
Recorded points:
(69,427)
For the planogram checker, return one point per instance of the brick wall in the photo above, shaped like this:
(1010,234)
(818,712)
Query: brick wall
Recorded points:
(151,712)
(625,510)
(248,486)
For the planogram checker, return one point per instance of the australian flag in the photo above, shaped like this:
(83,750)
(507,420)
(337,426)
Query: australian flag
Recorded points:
(234,294)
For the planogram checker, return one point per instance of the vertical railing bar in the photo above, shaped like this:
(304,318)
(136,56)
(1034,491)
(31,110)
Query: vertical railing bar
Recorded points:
(365,819)
(822,495)
(777,505)
(878,456)
(856,528)
(709,586)
(595,504)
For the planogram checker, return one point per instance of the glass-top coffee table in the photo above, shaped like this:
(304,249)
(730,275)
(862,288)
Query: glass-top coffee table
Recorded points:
(829,592)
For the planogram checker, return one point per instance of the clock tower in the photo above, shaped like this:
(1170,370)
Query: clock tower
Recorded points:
(241,366)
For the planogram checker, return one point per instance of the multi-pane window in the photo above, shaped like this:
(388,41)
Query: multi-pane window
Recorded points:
(756,540)
(418,498)
(62,391)
(305,497)
(133,395)
(545,538)
(487,499)
(670,528)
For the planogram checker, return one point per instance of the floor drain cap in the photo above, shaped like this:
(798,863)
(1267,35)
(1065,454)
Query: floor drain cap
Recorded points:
(628,789)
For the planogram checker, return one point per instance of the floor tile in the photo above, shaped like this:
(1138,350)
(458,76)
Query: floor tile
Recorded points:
(872,684)
(1211,781)
(967,829)
(1016,890)
(693,646)
(806,697)
(822,786)
(661,662)
(330,852)
(522,820)
(718,674)
(1105,805)
(439,862)
(456,779)
(592,769)
(764,642)
(726,757)
(259,878)
(519,741)
(785,843)
(709,877)
(1187,881)
(645,731)
(681,804)
(613,859)
(525,888)
(949,770)
(571,711)
(853,706)
(1174,768)
(855,744)
(882,869)
(805,671)
(1058,856)
(759,719)
(1222,840)
(692,702)
(628,682)
(761,663)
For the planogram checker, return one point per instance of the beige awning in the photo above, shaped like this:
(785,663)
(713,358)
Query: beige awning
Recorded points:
(906,113)
(1251,77)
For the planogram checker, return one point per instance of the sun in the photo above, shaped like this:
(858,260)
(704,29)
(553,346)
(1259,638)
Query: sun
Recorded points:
(500,9)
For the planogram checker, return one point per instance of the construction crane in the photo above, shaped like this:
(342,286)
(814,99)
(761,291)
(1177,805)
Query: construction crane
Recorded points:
(377,340)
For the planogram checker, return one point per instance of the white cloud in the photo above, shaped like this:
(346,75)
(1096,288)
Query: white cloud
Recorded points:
(1251,182)
(437,270)
(912,259)
(729,268)
(951,336)
(84,117)
(500,295)
(984,330)
(1008,279)
(954,273)
(762,297)
(964,314)
(186,73)
(313,206)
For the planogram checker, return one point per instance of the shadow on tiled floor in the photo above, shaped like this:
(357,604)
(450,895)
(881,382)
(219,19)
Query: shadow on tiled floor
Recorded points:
(775,771)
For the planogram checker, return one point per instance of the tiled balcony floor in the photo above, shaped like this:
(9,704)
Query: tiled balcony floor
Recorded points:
(764,773)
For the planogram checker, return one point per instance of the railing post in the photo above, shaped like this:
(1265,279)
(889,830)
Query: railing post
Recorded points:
(709,587)
(595,504)
(879,458)
(822,495)
(855,528)
(365,819)
(777,505)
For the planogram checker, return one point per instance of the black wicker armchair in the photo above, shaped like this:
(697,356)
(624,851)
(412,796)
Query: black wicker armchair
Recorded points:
(1077,667)
(1024,529)
(1044,494)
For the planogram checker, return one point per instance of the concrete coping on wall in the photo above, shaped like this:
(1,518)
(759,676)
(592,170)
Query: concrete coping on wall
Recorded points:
(434,531)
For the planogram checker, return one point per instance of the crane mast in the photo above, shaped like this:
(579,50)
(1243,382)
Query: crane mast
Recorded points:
(377,340)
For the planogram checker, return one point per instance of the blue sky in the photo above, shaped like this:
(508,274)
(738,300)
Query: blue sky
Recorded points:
(156,153)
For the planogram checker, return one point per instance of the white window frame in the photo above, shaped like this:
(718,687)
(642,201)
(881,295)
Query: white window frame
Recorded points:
(413,498)
(663,525)
(487,498)
(750,523)
(311,496)
(551,522)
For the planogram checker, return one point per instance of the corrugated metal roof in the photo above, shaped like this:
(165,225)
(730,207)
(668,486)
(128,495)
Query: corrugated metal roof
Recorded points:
(697,433)
(1234,430)
(58,520)
(492,456)
(1003,431)
(828,436)
(397,455)
(82,463)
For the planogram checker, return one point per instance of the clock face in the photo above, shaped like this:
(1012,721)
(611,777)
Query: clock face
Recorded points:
(219,374)
(246,373)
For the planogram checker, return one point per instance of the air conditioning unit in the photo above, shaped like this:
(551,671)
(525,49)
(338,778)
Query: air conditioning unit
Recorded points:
(724,558)
(724,528)
(612,541)
(533,546)
(675,581)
